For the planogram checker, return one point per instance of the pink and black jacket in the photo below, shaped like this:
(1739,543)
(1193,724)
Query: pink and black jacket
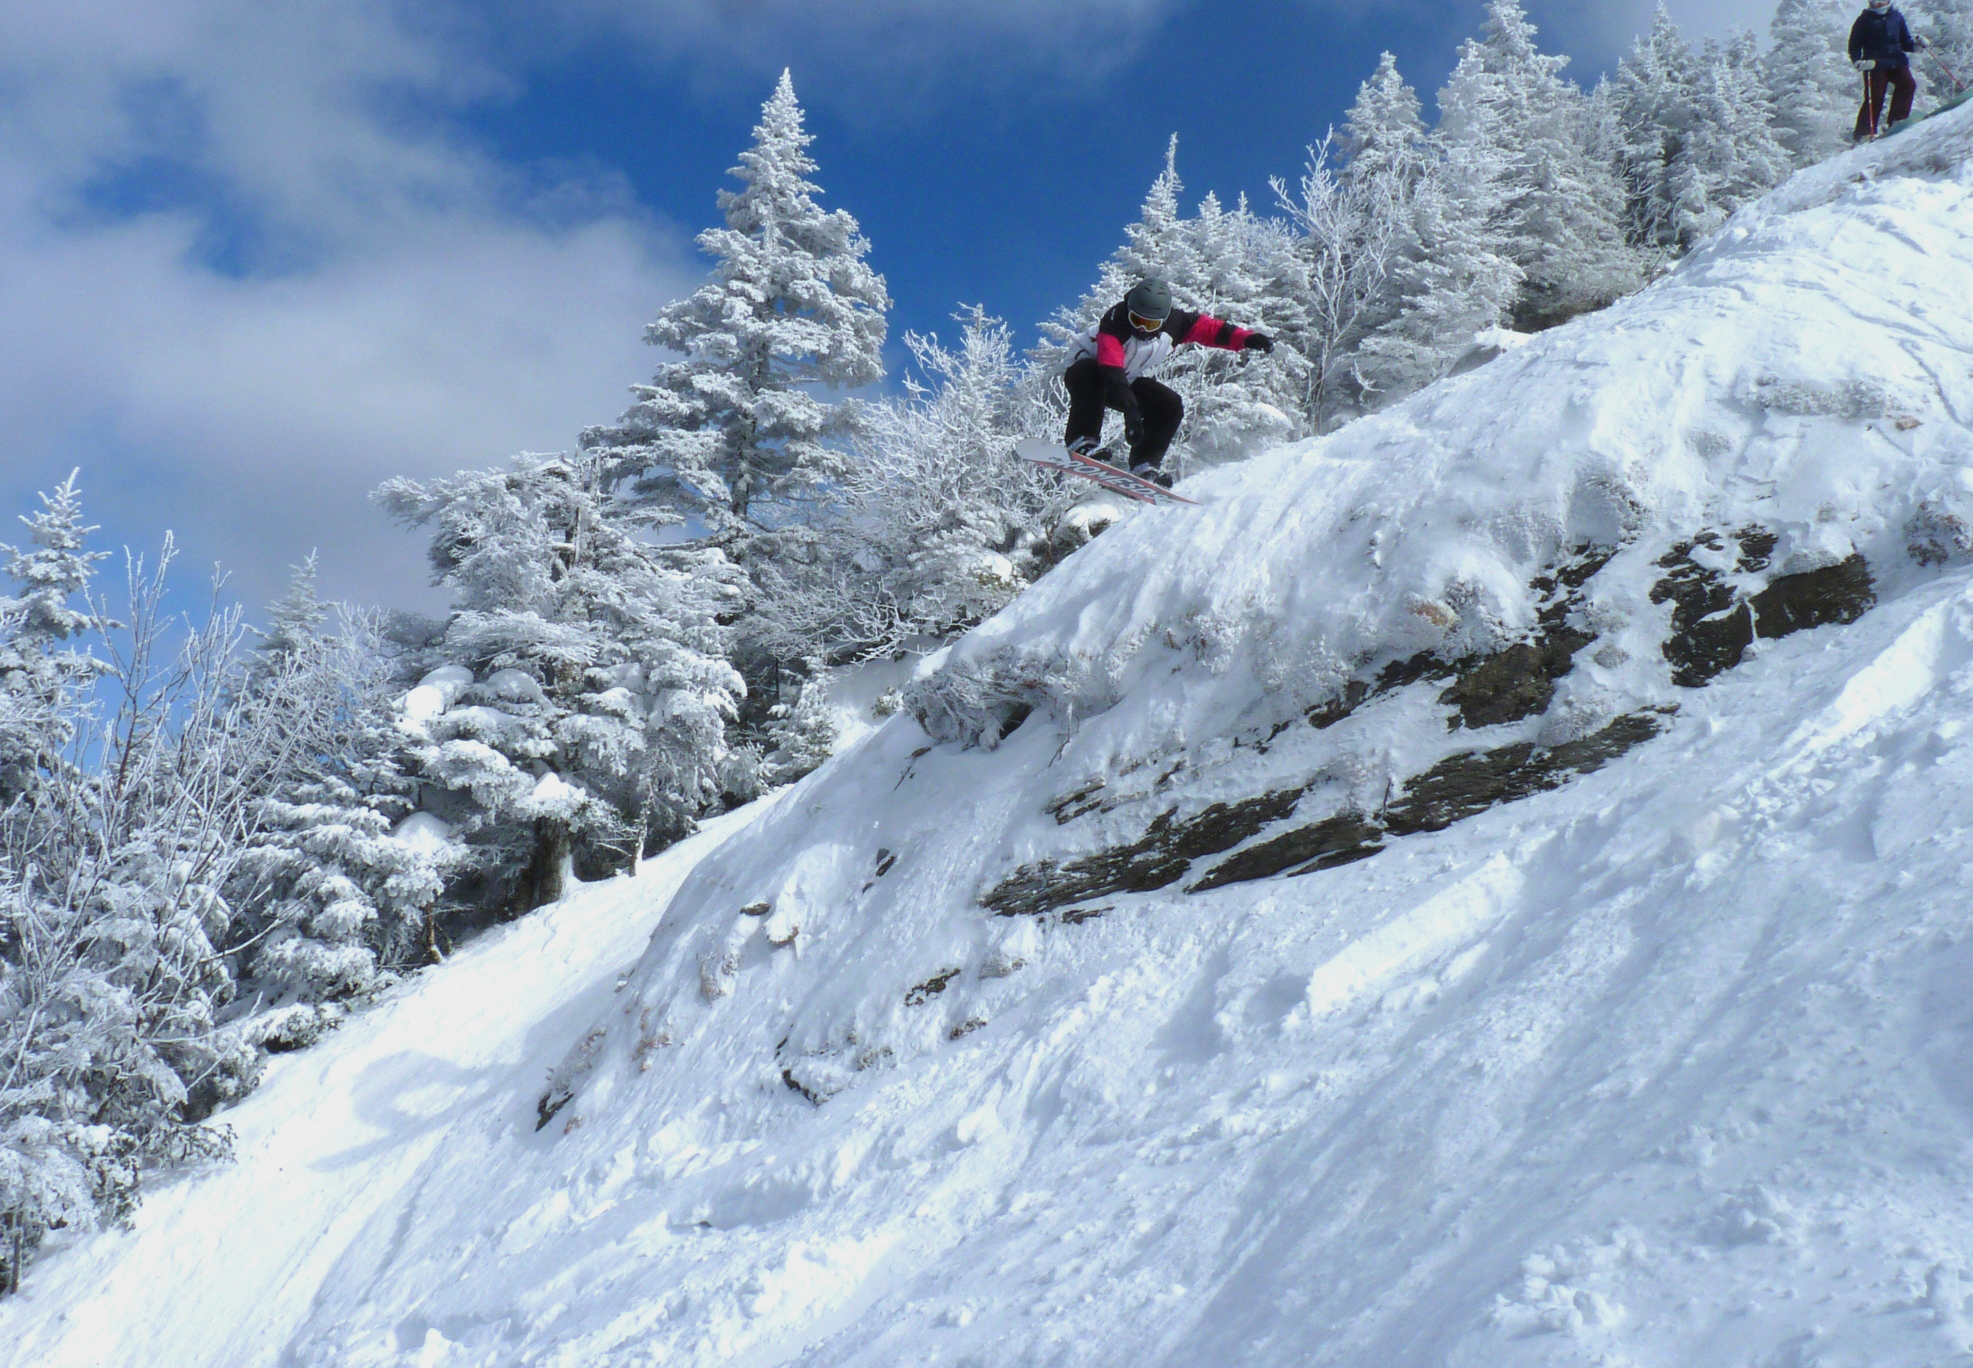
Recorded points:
(1124,356)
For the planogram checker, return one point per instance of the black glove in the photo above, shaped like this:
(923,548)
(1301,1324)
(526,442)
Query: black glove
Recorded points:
(1133,425)
(1259,342)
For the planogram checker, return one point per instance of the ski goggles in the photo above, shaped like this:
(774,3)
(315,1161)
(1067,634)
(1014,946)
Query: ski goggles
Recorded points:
(1143,324)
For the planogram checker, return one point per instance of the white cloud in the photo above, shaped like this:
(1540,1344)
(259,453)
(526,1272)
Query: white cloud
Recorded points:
(408,305)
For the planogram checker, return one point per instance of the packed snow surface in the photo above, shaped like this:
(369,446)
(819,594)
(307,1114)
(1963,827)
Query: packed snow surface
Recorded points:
(1671,1064)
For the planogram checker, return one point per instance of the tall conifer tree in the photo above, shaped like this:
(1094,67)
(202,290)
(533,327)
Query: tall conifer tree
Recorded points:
(1509,114)
(733,434)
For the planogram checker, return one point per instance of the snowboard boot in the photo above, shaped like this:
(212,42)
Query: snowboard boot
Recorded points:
(1156,474)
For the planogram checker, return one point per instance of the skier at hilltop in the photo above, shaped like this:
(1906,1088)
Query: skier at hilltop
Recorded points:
(1880,47)
(1110,369)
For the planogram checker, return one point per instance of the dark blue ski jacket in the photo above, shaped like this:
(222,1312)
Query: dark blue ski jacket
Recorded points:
(1883,38)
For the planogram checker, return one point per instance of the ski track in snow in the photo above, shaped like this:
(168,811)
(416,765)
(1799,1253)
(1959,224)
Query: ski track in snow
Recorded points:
(1672,1065)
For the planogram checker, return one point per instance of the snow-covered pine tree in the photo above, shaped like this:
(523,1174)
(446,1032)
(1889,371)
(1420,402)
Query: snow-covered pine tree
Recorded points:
(1228,263)
(114,927)
(329,898)
(1250,273)
(1443,279)
(1654,96)
(1809,80)
(733,434)
(1731,156)
(1560,214)
(579,708)
(38,672)
(1350,231)
(1384,134)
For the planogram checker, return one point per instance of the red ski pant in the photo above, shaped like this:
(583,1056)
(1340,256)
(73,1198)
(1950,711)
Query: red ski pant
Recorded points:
(1870,119)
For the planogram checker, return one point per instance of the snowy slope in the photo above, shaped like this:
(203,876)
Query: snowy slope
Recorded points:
(1612,701)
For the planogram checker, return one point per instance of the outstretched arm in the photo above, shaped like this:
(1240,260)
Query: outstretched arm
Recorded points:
(1206,331)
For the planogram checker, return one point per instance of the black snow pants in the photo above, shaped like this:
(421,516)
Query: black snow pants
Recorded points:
(1871,118)
(1159,406)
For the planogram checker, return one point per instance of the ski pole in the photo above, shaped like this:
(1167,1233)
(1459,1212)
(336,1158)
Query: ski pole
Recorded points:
(1869,105)
(1959,86)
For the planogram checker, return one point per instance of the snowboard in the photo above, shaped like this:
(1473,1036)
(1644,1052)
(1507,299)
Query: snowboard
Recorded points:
(1057,457)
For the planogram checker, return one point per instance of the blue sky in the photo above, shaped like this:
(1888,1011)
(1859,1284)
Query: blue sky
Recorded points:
(255,258)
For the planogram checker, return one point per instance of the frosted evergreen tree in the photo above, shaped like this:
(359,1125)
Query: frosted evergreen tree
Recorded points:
(1250,272)
(1384,134)
(733,434)
(330,897)
(52,574)
(938,524)
(1814,91)
(1732,154)
(1227,263)
(294,621)
(1654,95)
(1350,231)
(115,931)
(1506,106)
(1425,210)
(580,707)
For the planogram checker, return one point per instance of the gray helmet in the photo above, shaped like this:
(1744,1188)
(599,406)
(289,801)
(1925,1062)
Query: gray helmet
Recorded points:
(1149,299)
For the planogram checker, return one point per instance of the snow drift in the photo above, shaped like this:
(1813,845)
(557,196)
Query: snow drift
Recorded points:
(1487,888)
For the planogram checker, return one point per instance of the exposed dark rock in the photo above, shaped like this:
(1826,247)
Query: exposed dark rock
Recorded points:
(1519,680)
(885,859)
(1836,594)
(1075,916)
(1516,682)
(1159,857)
(1506,685)
(1457,787)
(796,1085)
(1336,709)
(1712,627)
(1937,534)
(548,1104)
(965,1028)
(1399,673)
(1323,845)
(1461,785)
(930,988)
(1073,805)
(757,909)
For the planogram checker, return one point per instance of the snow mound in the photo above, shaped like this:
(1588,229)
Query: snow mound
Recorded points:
(1486,888)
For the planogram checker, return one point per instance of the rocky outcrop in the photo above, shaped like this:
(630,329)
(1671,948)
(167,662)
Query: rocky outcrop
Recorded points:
(1712,624)
(1714,620)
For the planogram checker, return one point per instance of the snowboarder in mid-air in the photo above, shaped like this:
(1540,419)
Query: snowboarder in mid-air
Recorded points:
(1880,47)
(1110,369)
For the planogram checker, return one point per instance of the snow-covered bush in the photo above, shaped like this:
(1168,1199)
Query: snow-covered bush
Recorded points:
(936,524)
